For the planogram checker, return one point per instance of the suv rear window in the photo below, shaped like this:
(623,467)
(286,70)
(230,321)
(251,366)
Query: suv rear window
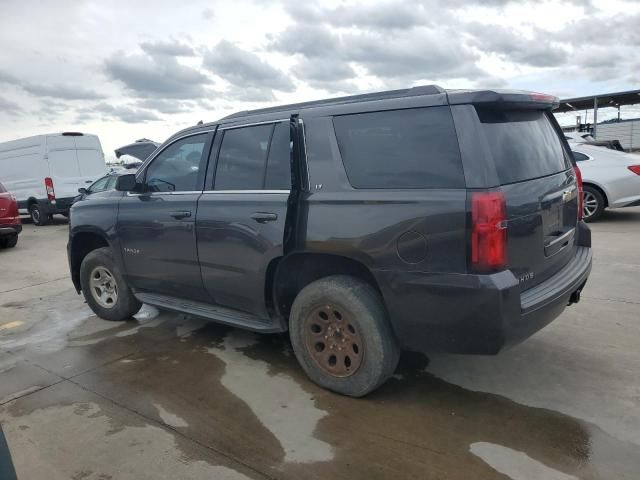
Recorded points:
(524,144)
(415,148)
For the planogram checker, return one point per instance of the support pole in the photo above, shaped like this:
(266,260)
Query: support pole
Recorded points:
(595,116)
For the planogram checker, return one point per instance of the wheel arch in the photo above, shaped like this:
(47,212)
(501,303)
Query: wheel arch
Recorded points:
(599,188)
(287,276)
(80,245)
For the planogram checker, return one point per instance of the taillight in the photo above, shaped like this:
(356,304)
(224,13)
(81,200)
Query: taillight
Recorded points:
(635,169)
(48,183)
(489,231)
(578,173)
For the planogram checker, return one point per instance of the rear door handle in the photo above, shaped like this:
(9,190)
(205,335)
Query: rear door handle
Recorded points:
(181,214)
(264,217)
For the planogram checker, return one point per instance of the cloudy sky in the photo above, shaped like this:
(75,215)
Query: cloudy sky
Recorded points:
(126,71)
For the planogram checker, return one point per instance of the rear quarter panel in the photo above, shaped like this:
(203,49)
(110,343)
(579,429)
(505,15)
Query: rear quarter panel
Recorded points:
(369,224)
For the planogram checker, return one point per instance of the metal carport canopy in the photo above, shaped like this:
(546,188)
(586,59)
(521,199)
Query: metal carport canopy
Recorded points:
(630,97)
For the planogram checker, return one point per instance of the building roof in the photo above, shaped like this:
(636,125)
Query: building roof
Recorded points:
(630,97)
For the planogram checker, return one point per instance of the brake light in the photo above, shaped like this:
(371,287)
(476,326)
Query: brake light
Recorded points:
(635,169)
(489,231)
(543,97)
(48,183)
(578,173)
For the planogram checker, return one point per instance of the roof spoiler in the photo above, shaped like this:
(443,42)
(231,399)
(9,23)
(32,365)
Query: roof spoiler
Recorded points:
(507,99)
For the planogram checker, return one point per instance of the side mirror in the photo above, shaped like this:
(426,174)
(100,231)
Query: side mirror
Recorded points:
(126,183)
(83,191)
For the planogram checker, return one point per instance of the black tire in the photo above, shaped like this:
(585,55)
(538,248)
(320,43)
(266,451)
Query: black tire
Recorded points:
(596,206)
(125,304)
(362,306)
(38,216)
(9,242)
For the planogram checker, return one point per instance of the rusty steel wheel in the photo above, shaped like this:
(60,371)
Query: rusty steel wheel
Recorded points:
(333,341)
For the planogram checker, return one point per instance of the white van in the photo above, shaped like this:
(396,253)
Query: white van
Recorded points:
(45,172)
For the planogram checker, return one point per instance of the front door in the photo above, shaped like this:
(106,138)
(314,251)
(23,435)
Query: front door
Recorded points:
(242,213)
(156,228)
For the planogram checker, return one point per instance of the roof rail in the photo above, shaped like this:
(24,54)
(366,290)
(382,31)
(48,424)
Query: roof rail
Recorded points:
(364,97)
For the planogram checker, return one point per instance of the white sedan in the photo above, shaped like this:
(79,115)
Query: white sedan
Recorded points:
(611,178)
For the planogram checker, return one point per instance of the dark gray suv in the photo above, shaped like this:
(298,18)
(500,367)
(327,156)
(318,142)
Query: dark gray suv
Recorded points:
(420,219)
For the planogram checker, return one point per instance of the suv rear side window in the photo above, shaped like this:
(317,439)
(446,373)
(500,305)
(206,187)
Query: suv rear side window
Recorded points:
(414,148)
(254,158)
(524,144)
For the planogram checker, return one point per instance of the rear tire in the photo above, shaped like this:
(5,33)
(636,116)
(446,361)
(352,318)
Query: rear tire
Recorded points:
(341,336)
(593,204)
(9,242)
(104,287)
(38,216)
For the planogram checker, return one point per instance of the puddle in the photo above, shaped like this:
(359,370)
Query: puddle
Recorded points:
(279,400)
(516,465)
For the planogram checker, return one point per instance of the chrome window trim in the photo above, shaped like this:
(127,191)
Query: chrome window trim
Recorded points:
(268,122)
(270,192)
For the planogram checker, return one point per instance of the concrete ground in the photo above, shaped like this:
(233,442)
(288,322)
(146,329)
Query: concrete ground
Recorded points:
(170,396)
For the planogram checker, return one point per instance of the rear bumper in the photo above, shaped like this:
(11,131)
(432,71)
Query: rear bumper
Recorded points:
(476,314)
(8,230)
(61,205)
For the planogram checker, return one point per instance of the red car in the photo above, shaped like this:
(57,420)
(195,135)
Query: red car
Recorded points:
(10,225)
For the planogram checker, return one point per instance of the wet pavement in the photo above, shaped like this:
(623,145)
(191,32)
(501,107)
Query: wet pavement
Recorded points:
(172,396)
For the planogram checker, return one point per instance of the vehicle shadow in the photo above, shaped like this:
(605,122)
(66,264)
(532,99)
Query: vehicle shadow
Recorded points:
(619,215)
(56,220)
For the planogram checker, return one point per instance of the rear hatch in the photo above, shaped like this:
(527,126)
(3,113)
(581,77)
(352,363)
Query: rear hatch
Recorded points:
(540,189)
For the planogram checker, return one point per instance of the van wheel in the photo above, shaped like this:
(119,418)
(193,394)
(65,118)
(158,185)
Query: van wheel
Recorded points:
(38,216)
(9,242)
(341,336)
(104,288)
(592,204)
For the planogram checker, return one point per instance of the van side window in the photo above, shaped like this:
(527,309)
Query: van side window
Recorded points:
(278,175)
(414,148)
(177,168)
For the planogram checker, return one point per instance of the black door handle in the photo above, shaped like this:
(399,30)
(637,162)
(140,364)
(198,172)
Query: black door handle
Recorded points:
(180,215)
(264,217)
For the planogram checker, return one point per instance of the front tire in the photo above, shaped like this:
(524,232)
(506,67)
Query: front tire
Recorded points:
(341,336)
(593,204)
(38,216)
(104,287)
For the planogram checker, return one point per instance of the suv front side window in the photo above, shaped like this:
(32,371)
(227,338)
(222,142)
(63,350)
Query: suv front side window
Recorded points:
(177,168)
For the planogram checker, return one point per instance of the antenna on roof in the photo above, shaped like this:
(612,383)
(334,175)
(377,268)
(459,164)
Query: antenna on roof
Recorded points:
(200,123)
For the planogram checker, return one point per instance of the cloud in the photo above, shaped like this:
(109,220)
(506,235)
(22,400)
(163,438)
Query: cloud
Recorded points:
(9,107)
(165,106)
(158,76)
(124,113)
(244,69)
(53,90)
(172,48)
(515,47)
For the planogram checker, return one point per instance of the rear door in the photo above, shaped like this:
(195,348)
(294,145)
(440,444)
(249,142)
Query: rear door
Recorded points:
(63,166)
(535,174)
(90,158)
(242,213)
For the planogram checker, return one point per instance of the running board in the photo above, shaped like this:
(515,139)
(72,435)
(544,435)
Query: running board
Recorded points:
(216,313)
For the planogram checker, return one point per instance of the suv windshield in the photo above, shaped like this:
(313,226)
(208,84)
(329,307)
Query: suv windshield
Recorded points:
(524,144)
